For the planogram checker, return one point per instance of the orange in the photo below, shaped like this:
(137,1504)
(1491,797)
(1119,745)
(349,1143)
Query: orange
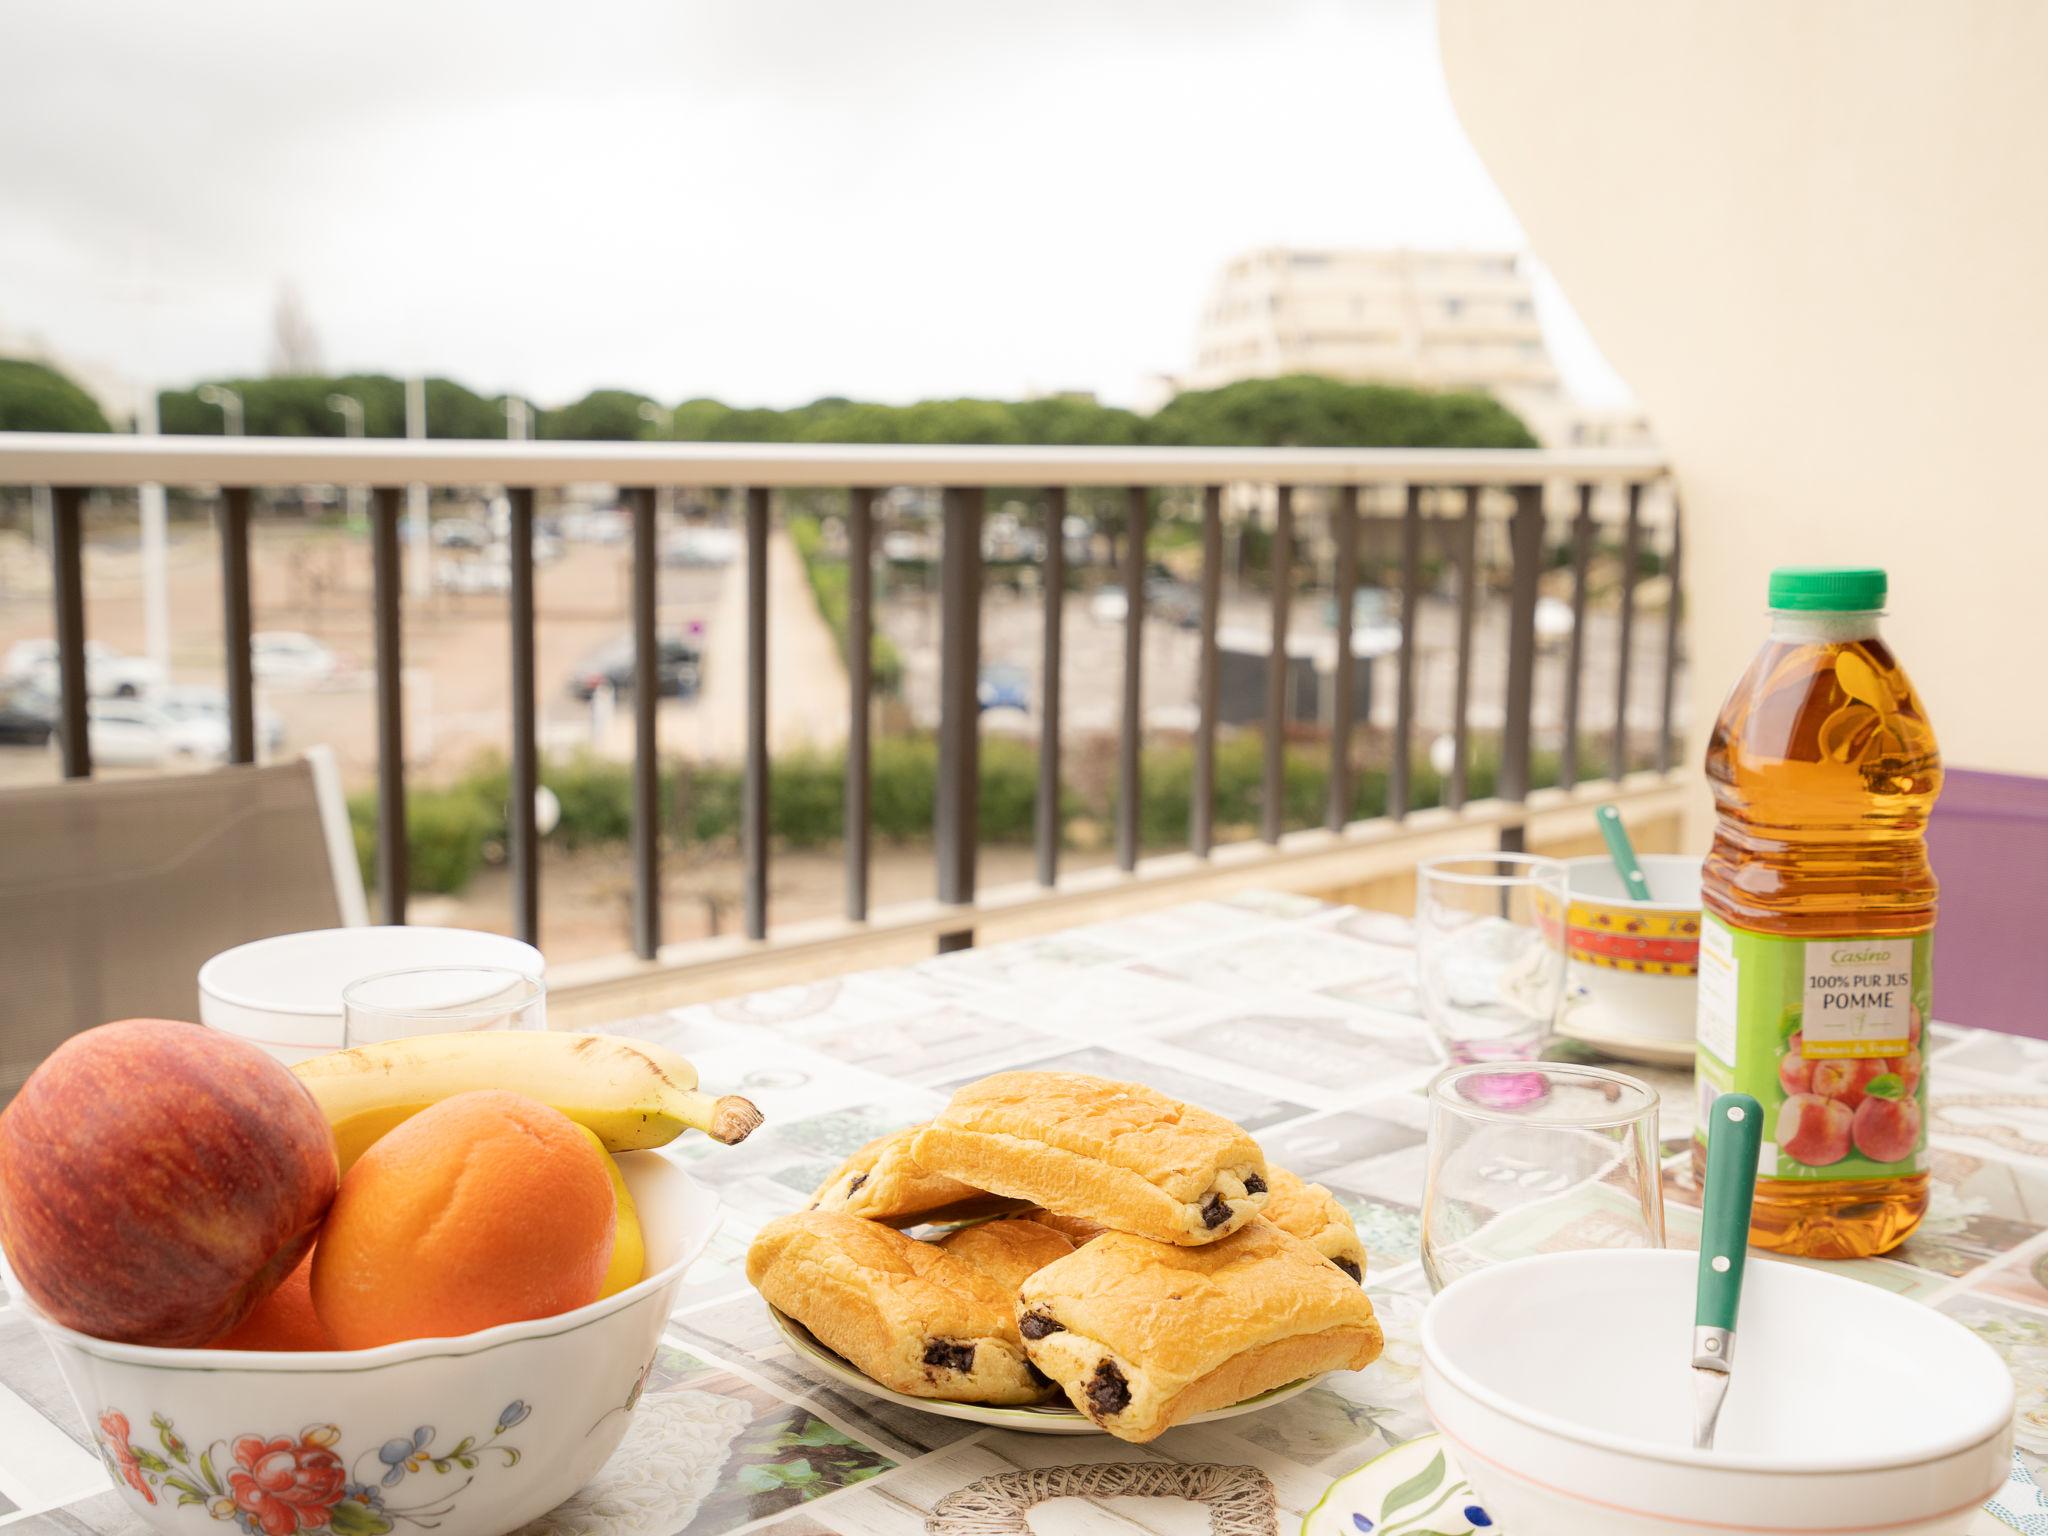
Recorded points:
(487,1208)
(283,1320)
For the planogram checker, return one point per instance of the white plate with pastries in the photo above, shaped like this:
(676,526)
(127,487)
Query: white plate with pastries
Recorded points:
(1054,1418)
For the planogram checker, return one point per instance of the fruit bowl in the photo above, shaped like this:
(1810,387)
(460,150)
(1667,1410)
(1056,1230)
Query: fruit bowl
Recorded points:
(469,1436)
(1563,1382)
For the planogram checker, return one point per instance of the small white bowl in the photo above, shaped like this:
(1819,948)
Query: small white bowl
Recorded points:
(1564,1383)
(1633,969)
(284,994)
(474,1436)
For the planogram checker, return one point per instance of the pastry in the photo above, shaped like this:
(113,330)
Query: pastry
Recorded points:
(1010,1250)
(910,1315)
(1118,1153)
(1075,1229)
(1141,1335)
(1311,1213)
(883,1183)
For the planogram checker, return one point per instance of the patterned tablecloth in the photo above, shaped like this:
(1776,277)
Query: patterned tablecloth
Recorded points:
(1298,1020)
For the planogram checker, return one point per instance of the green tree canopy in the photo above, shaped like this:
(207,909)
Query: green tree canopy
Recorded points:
(603,415)
(35,397)
(1308,411)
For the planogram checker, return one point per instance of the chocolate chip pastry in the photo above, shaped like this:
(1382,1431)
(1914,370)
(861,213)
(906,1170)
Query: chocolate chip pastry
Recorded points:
(909,1314)
(883,1182)
(1311,1213)
(1118,1153)
(1009,1251)
(1143,1335)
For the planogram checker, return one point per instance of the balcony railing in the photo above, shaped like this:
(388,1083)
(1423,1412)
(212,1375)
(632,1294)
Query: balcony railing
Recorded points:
(1436,499)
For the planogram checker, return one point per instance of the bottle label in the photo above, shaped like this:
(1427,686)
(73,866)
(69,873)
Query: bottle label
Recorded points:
(1825,1034)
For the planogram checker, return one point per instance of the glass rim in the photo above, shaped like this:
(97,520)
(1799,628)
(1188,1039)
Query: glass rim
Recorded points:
(536,988)
(1532,867)
(1438,1095)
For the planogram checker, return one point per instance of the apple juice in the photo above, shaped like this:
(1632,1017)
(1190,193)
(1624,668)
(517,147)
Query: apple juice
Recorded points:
(1814,970)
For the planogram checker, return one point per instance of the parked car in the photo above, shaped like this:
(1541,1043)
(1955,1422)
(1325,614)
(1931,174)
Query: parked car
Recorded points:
(701,547)
(108,674)
(27,716)
(198,720)
(127,733)
(460,533)
(1375,621)
(598,525)
(492,573)
(286,656)
(1166,597)
(1004,687)
(680,669)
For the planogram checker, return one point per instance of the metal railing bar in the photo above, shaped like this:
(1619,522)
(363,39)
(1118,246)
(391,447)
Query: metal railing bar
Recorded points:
(1131,741)
(1047,827)
(1674,604)
(67,588)
(860,647)
(1575,660)
(1401,766)
(646,828)
(1338,812)
(1526,556)
(1202,792)
(523,839)
(1631,554)
(754,787)
(1272,807)
(1461,697)
(87,460)
(236,624)
(958,809)
(387,583)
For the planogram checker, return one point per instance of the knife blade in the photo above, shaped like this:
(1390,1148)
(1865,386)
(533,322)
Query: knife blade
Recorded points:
(1734,1138)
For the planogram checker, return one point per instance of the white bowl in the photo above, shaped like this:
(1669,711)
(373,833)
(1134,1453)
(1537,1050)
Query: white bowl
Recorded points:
(1564,1383)
(556,1391)
(1613,1002)
(284,994)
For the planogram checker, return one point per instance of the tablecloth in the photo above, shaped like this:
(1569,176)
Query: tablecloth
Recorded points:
(1297,1019)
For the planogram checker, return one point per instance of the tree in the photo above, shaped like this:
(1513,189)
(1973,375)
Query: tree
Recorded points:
(602,415)
(1308,411)
(35,397)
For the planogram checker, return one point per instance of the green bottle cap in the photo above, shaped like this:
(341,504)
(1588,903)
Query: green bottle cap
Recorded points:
(1828,588)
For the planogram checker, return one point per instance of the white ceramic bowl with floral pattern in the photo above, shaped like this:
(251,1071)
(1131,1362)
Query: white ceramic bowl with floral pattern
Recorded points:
(469,1436)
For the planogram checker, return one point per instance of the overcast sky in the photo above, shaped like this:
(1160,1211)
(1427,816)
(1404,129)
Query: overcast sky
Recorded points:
(761,200)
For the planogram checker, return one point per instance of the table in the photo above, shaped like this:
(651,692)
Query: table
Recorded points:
(1297,1019)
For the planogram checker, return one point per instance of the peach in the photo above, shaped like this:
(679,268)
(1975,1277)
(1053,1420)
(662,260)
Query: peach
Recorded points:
(1908,1069)
(1845,1078)
(1887,1130)
(1813,1130)
(1912,1023)
(1795,1072)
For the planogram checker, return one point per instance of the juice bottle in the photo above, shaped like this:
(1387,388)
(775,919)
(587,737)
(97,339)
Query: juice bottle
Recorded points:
(1814,974)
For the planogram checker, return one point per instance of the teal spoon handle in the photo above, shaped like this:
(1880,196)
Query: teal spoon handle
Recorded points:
(1623,852)
(1735,1132)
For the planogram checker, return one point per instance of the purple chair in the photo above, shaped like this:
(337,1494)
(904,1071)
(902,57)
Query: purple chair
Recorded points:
(1989,843)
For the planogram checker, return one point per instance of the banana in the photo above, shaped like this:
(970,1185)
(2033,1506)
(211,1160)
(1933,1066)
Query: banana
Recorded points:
(631,1093)
(629,1244)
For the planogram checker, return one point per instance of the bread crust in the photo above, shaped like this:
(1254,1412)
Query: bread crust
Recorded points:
(1182,1330)
(1075,1229)
(1118,1153)
(1008,1251)
(1311,1213)
(883,1182)
(910,1315)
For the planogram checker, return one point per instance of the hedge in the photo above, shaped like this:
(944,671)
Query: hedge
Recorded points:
(831,579)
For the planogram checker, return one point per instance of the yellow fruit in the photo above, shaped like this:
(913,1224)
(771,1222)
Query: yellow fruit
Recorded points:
(629,1247)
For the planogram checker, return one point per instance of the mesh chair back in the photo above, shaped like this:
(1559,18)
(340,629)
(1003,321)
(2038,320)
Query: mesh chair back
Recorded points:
(114,892)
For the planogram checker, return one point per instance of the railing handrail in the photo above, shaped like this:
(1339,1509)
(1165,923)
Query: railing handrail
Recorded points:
(94,460)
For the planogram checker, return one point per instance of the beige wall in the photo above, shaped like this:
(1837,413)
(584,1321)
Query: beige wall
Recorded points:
(1814,237)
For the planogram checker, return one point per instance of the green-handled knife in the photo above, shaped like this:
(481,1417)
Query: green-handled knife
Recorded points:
(1623,852)
(1735,1132)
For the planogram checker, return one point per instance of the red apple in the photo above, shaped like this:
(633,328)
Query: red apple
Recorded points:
(1795,1072)
(157,1180)
(1845,1078)
(1887,1130)
(1813,1130)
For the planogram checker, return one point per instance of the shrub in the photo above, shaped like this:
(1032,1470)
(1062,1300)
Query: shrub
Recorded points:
(831,582)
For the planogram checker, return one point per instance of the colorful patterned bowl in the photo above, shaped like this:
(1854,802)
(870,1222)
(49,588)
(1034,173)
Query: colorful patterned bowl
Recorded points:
(1634,965)
(470,1436)
(1563,1384)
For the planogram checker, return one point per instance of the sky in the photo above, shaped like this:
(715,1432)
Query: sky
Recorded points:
(764,201)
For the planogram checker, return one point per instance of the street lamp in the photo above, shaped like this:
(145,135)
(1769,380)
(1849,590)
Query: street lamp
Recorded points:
(664,496)
(230,405)
(350,410)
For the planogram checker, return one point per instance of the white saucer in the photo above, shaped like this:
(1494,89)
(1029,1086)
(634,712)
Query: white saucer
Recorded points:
(1589,1024)
(1055,1418)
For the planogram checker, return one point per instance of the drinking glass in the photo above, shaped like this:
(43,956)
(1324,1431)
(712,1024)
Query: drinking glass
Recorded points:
(1537,1157)
(440,1000)
(1489,935)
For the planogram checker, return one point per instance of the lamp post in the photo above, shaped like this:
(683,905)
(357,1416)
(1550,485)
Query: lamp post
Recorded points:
(230,404)
(665,421)
(350,409)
